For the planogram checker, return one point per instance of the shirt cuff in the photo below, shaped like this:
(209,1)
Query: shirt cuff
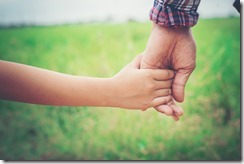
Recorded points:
(167,15)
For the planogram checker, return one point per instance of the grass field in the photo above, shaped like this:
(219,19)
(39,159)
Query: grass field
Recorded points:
(209,129)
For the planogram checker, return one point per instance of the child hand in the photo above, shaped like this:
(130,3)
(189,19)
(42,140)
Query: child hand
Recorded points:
(141,88)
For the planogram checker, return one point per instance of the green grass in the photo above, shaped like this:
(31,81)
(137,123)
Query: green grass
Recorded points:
(209,129)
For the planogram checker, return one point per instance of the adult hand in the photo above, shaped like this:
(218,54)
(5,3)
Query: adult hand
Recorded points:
(171,48)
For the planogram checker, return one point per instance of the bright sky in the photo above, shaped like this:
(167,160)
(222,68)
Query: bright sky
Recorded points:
(71,11)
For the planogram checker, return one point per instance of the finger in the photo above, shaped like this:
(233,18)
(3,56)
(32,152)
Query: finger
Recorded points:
(161,100)
(162,74)
(178,85)
(175,117)
(163,92)
(163,84)
(164,109)
(177,110)
(135,63)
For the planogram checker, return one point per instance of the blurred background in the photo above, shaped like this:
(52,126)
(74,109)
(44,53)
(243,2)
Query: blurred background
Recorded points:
(98,38)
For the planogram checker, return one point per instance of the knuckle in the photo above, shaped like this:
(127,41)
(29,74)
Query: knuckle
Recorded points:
(163,101)
(143,109)
(168,98)
(145,106)
(168,73)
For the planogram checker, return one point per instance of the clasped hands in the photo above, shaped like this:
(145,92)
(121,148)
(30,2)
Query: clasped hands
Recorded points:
(173,49)
(156,78)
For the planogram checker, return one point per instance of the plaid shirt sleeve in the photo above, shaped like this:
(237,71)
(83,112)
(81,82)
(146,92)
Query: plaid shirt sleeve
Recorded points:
(175,13)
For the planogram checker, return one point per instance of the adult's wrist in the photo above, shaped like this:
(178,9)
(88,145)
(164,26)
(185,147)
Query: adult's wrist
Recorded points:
(172,31)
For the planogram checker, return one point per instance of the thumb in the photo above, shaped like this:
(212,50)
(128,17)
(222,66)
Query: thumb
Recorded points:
(135,63)
(179,83)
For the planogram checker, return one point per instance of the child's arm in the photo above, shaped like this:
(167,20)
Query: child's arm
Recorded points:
(131,88)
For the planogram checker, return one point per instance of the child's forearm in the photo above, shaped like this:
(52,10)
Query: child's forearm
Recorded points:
(24,83)
(131,88)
